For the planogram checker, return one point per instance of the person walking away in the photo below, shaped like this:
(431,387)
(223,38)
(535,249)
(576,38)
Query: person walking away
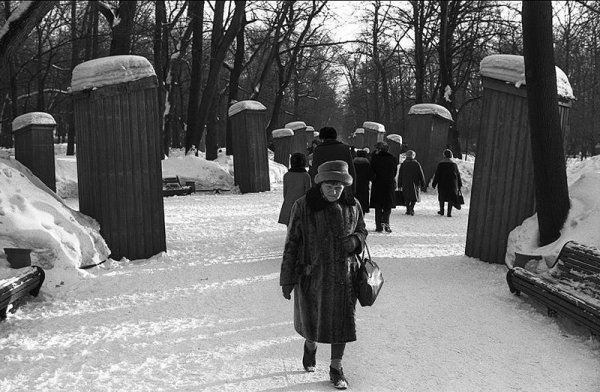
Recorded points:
(332,149)
(364,175)
(411,180)
(385,167)
(311,149)
(325,234)
(296,182)
(447,179)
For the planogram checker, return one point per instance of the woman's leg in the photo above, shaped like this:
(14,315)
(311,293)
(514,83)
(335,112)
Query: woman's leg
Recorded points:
(449,208)
(441,211)
(309,358)
(336,373)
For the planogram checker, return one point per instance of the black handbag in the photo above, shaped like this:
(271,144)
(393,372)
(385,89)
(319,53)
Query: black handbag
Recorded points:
(369,279)
(399,196)
(460,200)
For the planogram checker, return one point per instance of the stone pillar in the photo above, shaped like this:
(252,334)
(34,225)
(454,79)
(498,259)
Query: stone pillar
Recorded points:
(299,139)
(282,139)
(119,151)
(503,192)
(250,158)
(374,132)
(427,134)
(359,138)
(395,142)
(34,145)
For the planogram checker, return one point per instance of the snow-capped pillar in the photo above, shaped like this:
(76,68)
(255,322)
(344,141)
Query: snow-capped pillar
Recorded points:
(309,134)
(374,132)
(119,153)
(395,142)
(299,141)
(503,192)
(358,138)
(282,140)
(34,145)
(250,159)
(427,134)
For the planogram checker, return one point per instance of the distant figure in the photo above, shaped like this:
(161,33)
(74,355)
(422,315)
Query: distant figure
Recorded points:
(448,178)
(364,175)
(332,149)
(385,167)
(296,182)
(410,180)
(311,150)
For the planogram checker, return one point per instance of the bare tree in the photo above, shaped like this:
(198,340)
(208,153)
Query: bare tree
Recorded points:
(549,171)
(197,15)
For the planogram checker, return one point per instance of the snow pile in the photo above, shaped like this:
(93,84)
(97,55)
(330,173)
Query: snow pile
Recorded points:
(245,105)
(296,125)
(374,126)
(511,68)
(207,175)
(32,216)
(581,225)
(37,118)
(282,132)
(430,108)
(107,71)
(66,176)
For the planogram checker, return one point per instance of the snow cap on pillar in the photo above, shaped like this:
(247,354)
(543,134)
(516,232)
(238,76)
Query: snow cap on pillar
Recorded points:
(108,71)
(431,108)
(282,132)
(374,126)
(294,125)
(395,138)
(33,118)
(359,131)
(245,105)
(511,69)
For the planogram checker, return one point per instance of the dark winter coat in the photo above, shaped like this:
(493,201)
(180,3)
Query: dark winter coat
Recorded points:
(447,179)
(385,167)
(295,185)
(364,175)
(411,179)
(332,150)
(314,261)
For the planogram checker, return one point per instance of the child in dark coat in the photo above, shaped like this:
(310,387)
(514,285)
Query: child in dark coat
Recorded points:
(296,182)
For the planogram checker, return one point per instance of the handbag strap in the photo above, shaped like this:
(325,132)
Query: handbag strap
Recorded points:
(362,257)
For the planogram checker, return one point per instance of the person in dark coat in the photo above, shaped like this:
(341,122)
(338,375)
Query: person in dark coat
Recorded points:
(332,149)
(447,179)
(385,167)
(411,180)
(364,175)
(325,233)
(296,182)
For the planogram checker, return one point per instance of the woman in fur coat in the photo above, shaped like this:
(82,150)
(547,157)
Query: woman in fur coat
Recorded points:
(325,232)
(411,180)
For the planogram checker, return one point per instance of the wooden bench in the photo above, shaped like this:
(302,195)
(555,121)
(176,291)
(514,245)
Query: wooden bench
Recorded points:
(572,288)
(28,280)
(172,187)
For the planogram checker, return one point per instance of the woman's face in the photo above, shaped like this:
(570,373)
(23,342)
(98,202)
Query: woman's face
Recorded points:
(332,190)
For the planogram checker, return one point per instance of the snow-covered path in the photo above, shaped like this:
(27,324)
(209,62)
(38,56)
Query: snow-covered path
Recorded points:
(210,316)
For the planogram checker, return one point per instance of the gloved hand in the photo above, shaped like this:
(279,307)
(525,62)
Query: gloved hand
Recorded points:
(350,243)
(287,291)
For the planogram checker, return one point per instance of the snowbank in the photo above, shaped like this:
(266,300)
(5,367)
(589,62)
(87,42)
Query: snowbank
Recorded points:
(511,68)
(32,216)
(107,71)
(582,224)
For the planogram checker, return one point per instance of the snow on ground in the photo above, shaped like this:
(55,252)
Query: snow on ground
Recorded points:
(209,316)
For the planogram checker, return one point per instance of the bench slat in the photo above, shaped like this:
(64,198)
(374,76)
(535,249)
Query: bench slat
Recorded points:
(551,287)
(555,302)
(585,265)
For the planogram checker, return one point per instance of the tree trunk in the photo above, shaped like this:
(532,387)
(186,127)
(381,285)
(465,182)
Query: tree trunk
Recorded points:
(121,37)
(210,90)
(419,26)
(234,81)
(551,190)
(196,11)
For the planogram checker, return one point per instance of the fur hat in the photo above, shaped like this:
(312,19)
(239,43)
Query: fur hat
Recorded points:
(333,171)
(327,133)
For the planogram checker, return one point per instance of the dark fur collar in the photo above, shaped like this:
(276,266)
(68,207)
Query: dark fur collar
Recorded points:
(316,201)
